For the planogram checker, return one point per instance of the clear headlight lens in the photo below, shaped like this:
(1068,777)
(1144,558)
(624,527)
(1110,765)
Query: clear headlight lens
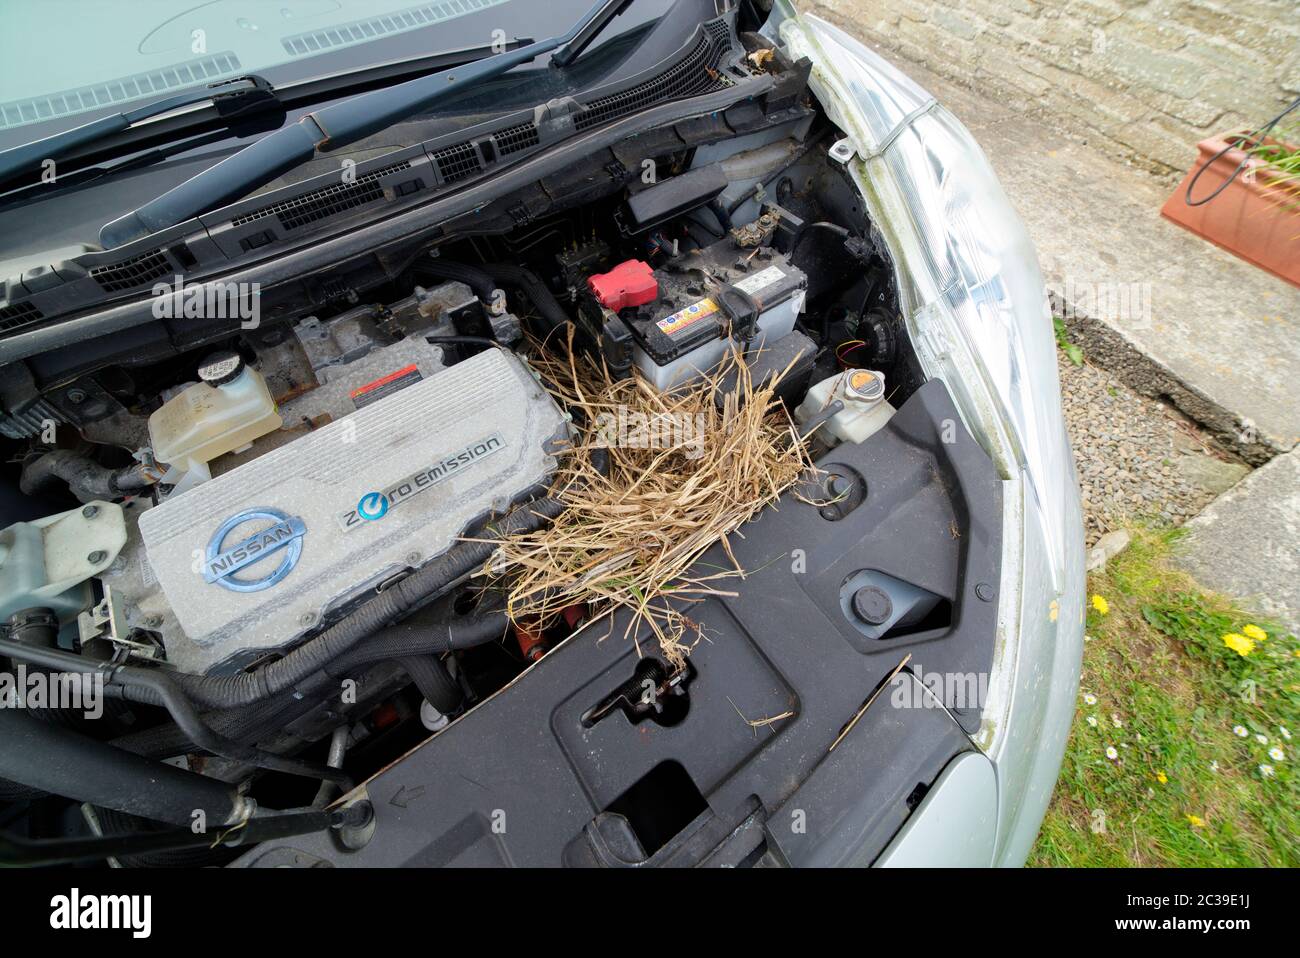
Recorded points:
(970,287)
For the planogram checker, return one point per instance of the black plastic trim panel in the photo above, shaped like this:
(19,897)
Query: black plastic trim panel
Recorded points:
(527,778)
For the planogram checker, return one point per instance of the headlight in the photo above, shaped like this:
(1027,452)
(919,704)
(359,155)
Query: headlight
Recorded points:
(970,287)
(973,299)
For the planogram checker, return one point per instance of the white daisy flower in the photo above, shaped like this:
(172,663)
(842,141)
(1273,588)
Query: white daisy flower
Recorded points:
(1114,720)
(1286,733)
(1092,721)
(1261,738)
(1089,699)
(1214,767)
(1266,771)
(1276,753)
(1240,731)
(1112,753)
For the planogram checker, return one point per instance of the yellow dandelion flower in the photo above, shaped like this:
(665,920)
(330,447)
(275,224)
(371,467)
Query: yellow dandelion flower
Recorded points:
(1196,821)
(1254,632)
(1239,643)
(1162,778)
(1100,604)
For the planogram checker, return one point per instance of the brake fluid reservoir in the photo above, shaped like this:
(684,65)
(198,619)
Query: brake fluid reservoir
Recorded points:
(865,408)
(230,408)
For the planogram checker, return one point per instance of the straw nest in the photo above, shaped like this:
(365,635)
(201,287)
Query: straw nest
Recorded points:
(681,476)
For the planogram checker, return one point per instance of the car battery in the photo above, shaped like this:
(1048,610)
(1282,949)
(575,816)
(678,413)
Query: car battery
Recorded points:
(707,300)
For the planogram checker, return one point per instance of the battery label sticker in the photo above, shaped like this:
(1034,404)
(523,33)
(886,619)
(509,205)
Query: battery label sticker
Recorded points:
(687,317)
(761,280)
(363,396)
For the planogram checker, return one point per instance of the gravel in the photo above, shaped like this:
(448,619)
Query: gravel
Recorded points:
(1132,454)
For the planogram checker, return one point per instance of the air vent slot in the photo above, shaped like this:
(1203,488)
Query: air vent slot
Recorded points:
(515,138)
(455,163)
(137,271)
(696,75)
(326,201)
(120,90)
(399,21)
(17,315)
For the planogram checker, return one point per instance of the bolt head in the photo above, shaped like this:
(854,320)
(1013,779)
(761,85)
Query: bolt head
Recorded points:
(96,557)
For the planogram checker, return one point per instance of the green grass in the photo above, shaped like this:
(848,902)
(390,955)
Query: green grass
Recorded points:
(1073,351)
(1168,695)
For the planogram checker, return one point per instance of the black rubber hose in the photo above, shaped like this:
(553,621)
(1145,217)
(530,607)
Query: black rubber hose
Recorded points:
(435,684)
(250,724)
(156,687)
(528,282)
(67,763)
(87,479)
(39,628)
(431,631)
(807,231)
(479,280)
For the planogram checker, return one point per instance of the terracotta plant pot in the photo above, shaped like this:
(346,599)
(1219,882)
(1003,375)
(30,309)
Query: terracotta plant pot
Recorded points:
(1256,217)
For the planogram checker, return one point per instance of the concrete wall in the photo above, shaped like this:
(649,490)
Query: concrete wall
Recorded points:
(1140,79)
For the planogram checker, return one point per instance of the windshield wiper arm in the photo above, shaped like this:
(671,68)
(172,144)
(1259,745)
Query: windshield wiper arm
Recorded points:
(234,99)
(326,129)
(565,56)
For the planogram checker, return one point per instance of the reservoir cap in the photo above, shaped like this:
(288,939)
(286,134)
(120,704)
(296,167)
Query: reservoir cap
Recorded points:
(221,367)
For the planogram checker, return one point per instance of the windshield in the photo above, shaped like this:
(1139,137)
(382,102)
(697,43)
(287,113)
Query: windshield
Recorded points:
(81,59)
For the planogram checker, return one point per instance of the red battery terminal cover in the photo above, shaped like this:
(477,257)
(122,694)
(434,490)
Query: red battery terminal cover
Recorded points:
(628,284)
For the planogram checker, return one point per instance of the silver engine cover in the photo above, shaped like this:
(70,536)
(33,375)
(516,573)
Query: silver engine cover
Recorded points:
(254,558)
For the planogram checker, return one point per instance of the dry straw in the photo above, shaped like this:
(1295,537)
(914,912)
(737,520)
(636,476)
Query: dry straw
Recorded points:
(682,475)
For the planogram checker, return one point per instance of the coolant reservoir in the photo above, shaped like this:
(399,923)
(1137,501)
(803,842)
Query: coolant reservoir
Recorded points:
(865,408)
(230,408)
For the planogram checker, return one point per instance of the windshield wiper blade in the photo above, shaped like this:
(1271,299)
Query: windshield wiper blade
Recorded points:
(326,129)
(235,100)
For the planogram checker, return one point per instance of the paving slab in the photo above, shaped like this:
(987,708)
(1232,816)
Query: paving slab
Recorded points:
(1247,542)
(1171,314)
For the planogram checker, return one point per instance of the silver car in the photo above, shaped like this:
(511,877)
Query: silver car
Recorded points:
(289,296)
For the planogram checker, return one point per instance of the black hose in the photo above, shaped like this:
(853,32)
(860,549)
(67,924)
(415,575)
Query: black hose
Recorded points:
(87,479)
(435,684)
(461,341)
(478,280)
(67,763)
(250,724)
(531,285)
(156,687)
(427,633)
(807,231)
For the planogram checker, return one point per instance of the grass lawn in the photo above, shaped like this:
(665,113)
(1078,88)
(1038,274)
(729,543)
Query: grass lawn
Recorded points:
(1183,751)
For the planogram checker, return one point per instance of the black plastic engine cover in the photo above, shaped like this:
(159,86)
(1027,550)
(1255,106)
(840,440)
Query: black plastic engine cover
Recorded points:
(540,774)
